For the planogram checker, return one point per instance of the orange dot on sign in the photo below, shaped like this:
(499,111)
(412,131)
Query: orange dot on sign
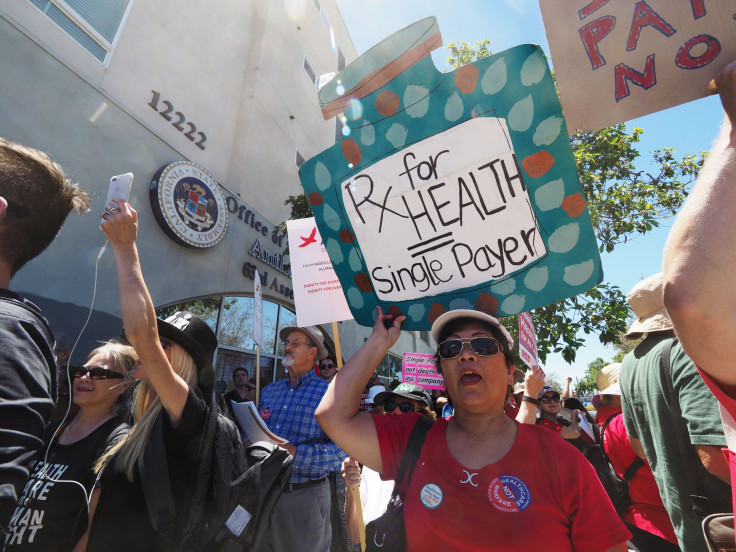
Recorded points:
(347,236)
(394,311)
(486,303)
(363,282)
(538,163)
(574,205)
(315,198)
(387,103)
(351,151)
(466,78)
(435,311)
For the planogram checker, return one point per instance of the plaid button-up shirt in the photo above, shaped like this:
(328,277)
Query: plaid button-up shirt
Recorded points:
(289,413)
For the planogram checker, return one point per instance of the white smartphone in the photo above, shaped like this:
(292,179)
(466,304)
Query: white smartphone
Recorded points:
(119,187)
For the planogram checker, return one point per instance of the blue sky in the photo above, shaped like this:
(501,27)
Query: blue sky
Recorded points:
(689,128)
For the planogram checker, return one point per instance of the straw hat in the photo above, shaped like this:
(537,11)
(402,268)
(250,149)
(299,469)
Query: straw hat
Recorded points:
(645,299)
(607,379)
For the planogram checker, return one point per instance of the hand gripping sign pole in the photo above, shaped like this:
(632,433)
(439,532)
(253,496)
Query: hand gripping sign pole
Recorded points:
(257,329)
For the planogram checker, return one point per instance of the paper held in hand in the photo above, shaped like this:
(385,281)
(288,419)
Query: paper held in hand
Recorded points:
(253,425)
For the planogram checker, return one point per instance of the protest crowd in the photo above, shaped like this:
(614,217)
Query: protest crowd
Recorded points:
(137,449)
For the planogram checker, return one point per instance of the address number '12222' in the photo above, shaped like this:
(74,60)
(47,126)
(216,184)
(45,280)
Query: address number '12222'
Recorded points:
(169,114)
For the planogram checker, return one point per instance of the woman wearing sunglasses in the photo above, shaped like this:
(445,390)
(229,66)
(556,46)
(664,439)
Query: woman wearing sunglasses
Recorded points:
(169,408)
(52,513)
(479,482)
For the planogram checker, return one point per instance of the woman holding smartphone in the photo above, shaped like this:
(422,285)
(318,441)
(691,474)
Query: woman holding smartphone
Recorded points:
(169,406)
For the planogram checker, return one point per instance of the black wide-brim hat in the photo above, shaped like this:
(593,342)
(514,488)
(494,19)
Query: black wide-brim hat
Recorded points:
(196,337)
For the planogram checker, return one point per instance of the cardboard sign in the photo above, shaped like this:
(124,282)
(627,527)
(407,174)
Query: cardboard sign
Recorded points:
(455,190)
(318,295)
(527,340)
(616,61)
(420,369)
(257,310)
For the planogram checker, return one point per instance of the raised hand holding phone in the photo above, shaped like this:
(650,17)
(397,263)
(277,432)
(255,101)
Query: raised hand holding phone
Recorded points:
(120,186)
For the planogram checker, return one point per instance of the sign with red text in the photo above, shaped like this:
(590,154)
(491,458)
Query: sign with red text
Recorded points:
(318,295)
(616,61)
(527,340)
(420,369)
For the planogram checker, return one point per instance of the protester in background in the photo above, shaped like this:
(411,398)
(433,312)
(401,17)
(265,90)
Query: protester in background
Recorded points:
(648,415)
(550,406)
(646,518)
(374,492)
(244,391)
(55,517)
(585,420)
(301,517)
(35,199)
(365,406)
(327,368)
(169,408)
(478,483)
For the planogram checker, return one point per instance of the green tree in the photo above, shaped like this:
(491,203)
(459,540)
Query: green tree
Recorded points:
(587,383)
(625,201)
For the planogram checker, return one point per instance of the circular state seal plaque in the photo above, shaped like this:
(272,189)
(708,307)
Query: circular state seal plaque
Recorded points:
(188,204)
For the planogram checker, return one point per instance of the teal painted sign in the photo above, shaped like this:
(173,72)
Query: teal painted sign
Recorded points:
(454,190)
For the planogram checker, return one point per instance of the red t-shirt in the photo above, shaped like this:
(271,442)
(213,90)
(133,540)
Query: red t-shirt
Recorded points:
(528,500)
(511,408)
(646,511)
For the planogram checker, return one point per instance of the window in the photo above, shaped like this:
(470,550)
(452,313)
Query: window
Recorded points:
(310,72)
(94,24)
(390,367)
(232,319)
(424,336)
(340,60)
(299,160)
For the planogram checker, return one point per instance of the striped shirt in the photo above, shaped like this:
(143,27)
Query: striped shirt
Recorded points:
(289,413)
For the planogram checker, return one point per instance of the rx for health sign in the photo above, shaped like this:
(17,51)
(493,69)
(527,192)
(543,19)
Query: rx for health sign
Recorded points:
(449,190)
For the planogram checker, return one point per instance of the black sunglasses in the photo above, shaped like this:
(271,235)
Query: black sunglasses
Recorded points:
(547,400)
(327,366)
(404,407)
(481,346)
(97,373)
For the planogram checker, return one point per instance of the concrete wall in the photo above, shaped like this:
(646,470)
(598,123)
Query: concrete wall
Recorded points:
(234,70)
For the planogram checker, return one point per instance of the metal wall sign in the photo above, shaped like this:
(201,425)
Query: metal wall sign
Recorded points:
(188,204)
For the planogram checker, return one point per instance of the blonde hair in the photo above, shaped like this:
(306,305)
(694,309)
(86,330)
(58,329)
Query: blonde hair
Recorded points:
(128,453)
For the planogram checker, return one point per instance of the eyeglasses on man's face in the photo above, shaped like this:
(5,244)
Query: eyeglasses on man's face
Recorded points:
(293,343)
(327,366)
(97,373)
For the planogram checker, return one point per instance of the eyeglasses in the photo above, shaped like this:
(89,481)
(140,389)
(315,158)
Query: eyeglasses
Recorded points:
(164,344)
(97,373)
(293,343)
(404,407)
(327,366)
(547,400)
(481,346)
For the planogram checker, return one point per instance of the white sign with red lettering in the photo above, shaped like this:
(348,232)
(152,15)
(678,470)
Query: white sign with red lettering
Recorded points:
(527,340)
(318,295)
(420,369)
(616,61)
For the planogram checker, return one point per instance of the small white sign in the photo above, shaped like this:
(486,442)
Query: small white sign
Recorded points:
(257,310)
(528,340)
(238,520)
(318,295)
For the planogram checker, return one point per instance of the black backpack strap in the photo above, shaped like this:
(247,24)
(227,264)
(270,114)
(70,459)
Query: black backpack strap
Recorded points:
(635,465)
(156,484)
(411,454)
(688,455)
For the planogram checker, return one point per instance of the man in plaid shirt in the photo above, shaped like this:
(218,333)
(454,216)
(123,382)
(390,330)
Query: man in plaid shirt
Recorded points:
(301,518)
